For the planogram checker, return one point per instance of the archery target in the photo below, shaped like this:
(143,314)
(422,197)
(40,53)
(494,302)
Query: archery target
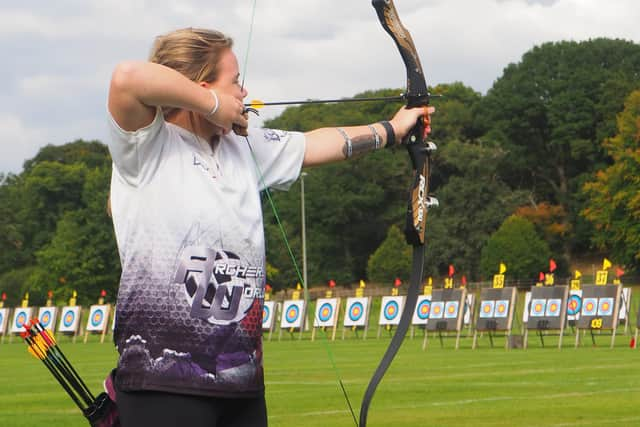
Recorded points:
(486,309)
(47,317)
(98,316)
(527,307)
(625,303)
(326,312)
(437,310)
(574,305)
(292,314)
(356,311)
(4,315)
(589,307)
(20,317)
(538,307)
(451,309)
(391,310)
(502,308)
(468,308)
(605,306)
(268,314)
(423,307)
(69,319)
(553,307)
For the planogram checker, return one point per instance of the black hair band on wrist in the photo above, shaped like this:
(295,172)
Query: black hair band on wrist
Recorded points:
(391,135)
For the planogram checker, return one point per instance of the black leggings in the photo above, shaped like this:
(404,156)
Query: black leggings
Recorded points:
(160,409)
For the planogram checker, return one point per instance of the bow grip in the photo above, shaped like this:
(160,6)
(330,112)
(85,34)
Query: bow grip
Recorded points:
(419,152)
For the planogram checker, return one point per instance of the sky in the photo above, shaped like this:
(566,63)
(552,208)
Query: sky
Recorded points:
(58,55)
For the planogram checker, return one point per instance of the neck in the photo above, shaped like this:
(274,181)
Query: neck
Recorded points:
(196,125)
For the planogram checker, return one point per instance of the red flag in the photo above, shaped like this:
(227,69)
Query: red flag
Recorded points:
(541,277)
(552,265)
(268,287)
(451,270)
(103,293)
(397,282)
(4,296)
(464,281)
(619,272)
(332,283)
(50,294)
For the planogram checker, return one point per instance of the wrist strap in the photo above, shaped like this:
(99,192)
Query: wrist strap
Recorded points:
(391,135)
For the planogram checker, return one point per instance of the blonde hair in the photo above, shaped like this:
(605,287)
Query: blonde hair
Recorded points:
(194,52)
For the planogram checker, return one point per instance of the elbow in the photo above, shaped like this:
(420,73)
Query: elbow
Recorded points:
(124,76)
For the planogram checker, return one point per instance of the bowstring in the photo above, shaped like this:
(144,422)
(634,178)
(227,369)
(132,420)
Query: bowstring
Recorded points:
(283,232)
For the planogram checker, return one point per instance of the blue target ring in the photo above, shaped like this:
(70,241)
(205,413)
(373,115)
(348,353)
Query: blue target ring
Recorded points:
(97,317)
(292,313)
(502,308)
(391,310)
(356,311)
(422,311)
(21,319)
(45,319)
(325,313)
(1,318)
(266,312)
(451,309)
(68,319)
(574,305)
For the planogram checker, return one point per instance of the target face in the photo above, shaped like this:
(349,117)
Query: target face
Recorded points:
(266,313)
(97,318)
(605,307)
(538,307)
(487,309)
(553,307)
(1,320)
(590,306)
(69,318)
(437,310)
(451,309)
(292,314)
(423,308)
(391,310)
(574,305)
(356,311)
(20,317)
(502,308)
(325,313)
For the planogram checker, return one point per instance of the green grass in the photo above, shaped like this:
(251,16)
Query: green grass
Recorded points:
(588,386)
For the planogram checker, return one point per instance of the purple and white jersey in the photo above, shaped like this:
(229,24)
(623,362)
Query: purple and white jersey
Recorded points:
(188,223)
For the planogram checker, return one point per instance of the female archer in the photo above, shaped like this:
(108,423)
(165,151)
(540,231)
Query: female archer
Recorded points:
(188,222)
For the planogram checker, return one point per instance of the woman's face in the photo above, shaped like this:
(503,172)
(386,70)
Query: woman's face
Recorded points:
(228,81)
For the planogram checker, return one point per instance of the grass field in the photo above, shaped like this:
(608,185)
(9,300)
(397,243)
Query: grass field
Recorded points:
(588,386)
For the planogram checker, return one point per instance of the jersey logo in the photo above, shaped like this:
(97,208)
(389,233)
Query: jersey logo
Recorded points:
(218,285)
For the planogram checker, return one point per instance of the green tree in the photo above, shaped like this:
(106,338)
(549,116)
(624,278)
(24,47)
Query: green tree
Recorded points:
(614,195)
(519,246)
(392,259)
(550,112)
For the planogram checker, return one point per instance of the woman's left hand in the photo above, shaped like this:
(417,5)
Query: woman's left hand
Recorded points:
(405,119)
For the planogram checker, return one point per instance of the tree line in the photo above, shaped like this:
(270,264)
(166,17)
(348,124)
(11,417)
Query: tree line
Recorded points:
(545,164)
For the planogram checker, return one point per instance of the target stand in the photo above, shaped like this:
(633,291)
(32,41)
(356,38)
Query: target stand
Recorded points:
(547,311)
(293,317)
(390,313)
(98,321)
(600,310)
(497,307)
(326,316)
(21,315)
(446,315)
(421,314)
(356,316)
(69,323)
